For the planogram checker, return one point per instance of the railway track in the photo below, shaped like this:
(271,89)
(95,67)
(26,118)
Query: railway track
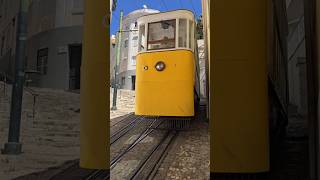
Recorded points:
(98,175)
(150,162)
(104,175)
(134,120)
(140,137)
(149,166)
(122,119)
(74,172)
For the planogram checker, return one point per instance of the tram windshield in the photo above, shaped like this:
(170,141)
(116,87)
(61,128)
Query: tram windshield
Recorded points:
(161,35)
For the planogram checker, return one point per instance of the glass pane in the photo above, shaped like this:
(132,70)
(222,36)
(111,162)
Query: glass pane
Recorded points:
(190,34)
(182,33)
(161,35)
(133,60)
(135,41)
(126,43)
(141,37)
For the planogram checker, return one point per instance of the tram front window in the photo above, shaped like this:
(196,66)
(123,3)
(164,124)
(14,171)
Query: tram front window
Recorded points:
(182,33)
(161,35)
(141,37)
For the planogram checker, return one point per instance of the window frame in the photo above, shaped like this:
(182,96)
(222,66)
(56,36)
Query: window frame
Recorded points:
(135,41)
(177,19)
(178,33)
(126,43)
(2,48)
(175,34)
(43,67)
(140,42)
(191,34)
(133,60)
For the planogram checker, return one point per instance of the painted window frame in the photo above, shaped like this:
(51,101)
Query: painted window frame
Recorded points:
(42,65)
(175,35)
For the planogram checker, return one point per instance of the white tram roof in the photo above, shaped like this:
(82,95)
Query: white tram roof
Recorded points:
(161,16)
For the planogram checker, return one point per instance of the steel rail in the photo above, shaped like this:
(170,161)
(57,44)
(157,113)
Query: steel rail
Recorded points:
(141,137)
(148,168)
(123,131)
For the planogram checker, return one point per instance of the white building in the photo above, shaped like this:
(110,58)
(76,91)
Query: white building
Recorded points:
(129,48)
(202,67)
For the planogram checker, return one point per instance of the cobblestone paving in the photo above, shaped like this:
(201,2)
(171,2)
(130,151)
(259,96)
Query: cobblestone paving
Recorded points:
(49,139)
(189,157)
(125,103)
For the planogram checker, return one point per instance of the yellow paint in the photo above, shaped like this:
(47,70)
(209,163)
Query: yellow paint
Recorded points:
(238,87)
(94,102)
(169,92)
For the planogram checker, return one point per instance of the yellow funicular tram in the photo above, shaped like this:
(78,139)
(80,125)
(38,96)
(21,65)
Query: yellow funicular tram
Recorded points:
(167,65)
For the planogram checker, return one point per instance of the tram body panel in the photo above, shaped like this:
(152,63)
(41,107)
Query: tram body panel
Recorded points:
(238,94)
(169,92)
(169,38)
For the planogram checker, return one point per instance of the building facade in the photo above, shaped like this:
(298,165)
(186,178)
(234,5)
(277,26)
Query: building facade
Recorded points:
(8,28)
(54,47)
(129,49)
(297,75)
(54,42)
(202,67)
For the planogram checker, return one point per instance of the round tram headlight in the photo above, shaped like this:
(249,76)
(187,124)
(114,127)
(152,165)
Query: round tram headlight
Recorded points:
(160,66)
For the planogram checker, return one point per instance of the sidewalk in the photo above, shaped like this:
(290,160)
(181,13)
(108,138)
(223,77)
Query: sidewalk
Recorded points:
(51,137)
(125,103)
(48,139)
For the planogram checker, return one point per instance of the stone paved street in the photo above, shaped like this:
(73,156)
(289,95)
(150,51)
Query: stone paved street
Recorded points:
(189,156)
(125,103)
(49,139)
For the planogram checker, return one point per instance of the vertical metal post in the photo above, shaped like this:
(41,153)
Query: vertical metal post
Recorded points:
(13,146)
(115,88)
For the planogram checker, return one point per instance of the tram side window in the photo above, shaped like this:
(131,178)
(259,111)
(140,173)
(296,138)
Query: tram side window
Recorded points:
(182,33)
(161,35)
(141,37)
(191,34)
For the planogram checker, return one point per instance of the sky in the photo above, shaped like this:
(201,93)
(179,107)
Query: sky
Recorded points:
(162,5)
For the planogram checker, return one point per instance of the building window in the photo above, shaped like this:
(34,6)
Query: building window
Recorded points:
(191,35)
(161,35)
(123,80)
(135,41)
(42,61)
(8,39)
(141,37)
(126,43)
(133,60)
(182,33)
(2,45)
(135,24)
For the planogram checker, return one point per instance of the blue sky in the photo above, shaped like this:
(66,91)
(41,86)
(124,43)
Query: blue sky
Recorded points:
(162,5)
